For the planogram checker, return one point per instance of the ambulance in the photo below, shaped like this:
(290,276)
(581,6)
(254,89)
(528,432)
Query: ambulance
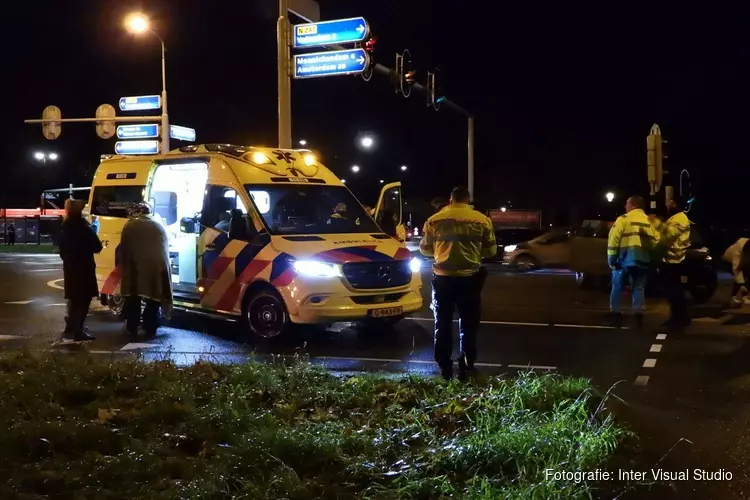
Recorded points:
(312,254)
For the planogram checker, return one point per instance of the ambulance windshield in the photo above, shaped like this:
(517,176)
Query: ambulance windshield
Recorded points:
(310,209)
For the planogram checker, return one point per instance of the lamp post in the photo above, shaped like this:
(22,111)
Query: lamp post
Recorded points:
(610,197)
(43,157)
(138,23)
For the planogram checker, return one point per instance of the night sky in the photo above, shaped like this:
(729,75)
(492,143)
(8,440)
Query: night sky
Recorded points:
(563,98)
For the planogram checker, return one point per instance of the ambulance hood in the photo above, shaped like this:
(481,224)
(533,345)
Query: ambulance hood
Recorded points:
(342,248)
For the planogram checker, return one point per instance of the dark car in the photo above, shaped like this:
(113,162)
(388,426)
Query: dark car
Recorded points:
(506,237)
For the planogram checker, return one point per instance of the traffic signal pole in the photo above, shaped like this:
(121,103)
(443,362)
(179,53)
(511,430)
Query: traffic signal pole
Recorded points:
(283,37)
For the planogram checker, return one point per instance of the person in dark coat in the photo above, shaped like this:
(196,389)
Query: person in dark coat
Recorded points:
(78,244)
(11,234)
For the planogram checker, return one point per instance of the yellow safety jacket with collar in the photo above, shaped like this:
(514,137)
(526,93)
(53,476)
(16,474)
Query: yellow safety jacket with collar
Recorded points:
(675,237)
(458,237)
(631,240)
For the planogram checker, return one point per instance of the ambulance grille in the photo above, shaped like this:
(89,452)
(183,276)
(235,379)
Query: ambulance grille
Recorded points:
(377,275)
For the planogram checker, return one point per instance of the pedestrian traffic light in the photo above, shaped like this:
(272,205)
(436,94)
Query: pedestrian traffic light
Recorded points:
(405,75)
(655,158)
(435,94)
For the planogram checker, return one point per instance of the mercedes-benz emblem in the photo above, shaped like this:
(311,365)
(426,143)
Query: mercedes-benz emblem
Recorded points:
(384,274)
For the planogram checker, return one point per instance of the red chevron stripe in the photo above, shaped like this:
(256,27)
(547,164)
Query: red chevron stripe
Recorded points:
(110,284)
(229,300)
(341,256)
(284,278)
(402,254)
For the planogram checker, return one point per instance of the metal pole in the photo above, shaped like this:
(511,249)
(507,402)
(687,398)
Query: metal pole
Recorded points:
(70,191)
(470,158)
(283,28)
(164,114)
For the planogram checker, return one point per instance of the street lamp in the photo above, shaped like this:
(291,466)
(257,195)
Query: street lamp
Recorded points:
(302,142)
(355,168)
(52,156)
(382,181)
(404,168)
(367,142)
(503,209)
(610,196)
(138,23)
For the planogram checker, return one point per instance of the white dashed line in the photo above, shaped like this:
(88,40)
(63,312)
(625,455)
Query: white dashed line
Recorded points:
(649,363)
(372,360)
(661,336)
(641,380)
(655,348)
(523,323)
(9,337)
(533,367)
(20,302)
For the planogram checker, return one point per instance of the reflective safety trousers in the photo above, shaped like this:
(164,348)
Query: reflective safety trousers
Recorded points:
(631,240)
(458,237)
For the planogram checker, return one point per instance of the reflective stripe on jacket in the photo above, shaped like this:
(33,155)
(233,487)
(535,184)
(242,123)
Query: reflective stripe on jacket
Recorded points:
(675,235)
(458,237)
(631,240)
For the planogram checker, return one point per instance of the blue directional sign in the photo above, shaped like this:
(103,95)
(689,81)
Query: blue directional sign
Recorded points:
(335,62)
(140,103)
(145,131)
(182,133)
(330,32)
(137,147)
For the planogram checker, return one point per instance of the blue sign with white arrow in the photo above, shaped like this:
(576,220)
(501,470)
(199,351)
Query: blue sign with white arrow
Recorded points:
(330,32)
(145,131)
(140,103)
(137,147)
(182,133)
(332,63)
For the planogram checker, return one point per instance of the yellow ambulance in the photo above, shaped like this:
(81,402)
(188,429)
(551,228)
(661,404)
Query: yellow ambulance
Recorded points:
(311,255)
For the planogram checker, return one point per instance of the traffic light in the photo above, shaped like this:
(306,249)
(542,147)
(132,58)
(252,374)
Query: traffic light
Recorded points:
(405,75)
(435,94)
(52,129)
(369,47)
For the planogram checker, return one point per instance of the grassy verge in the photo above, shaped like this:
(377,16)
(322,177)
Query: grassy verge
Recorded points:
(17,248)
(73,427)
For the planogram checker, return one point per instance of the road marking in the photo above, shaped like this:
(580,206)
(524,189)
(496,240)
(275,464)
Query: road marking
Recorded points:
(346,358)
(9,337)
(56,270)
(523,323)
(661,336)
(641,380)
(533,367)
(54,284)
(62,304)
(655,348)
(137,345)
(20,302)
(649,363)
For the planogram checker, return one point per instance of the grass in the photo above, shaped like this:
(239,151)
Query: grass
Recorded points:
(22,248)
(72,427)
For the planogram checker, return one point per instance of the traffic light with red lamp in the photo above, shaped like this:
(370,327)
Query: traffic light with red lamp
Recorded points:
(369,47)
(435,94)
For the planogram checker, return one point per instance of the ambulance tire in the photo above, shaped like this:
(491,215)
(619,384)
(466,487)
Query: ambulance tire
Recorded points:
(264,313)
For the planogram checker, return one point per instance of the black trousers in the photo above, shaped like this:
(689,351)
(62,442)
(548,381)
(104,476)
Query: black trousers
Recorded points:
(75,316)
(462,293)
(672,279)
(133,315)
(11,239)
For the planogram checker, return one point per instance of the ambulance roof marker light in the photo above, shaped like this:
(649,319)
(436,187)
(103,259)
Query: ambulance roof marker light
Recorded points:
(310,160)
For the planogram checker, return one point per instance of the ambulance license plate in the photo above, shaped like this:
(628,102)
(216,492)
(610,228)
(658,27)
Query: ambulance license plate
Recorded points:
(387,312)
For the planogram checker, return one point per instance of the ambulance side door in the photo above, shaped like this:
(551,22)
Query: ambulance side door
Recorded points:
(389,211)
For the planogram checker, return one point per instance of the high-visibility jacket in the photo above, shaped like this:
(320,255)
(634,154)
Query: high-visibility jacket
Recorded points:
(631,240)
(458,237)
(675,237)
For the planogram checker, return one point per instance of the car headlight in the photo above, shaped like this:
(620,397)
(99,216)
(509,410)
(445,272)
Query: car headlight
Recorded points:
(510,248)
(316,269)
(415,265)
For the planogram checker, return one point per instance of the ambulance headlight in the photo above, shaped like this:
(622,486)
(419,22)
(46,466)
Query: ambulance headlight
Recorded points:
(316,269)
(415,265)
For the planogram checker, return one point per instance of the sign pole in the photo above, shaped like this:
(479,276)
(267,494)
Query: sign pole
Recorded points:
(470,154)
(283,28)
(164,114)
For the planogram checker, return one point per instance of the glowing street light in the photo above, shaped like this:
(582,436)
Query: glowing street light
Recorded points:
(42,157)
(382,181)
(355,168)
(52,156)
(343,181)
(610,196)
(367,142)
(404,168)
(503,209)
(138,24)
(302,142)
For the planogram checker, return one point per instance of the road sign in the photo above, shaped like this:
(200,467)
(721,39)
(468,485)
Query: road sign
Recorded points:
(52,130)
(137,147)
(335,62)
(105,127)
(182,133)
(139,103)
(144,131)
(330,32)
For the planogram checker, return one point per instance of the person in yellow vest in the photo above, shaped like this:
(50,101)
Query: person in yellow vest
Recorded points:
(458,237)
(629,248)
(675,240)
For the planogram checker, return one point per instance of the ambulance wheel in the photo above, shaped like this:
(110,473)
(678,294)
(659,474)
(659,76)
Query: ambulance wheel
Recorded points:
(116,305)
(265,314)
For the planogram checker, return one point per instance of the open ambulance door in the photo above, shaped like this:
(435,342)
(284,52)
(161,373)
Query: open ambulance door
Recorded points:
(389,211)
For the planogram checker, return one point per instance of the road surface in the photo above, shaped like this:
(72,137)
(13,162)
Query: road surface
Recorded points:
(694,386)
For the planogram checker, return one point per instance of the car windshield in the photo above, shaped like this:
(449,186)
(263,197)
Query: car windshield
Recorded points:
(310,209)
